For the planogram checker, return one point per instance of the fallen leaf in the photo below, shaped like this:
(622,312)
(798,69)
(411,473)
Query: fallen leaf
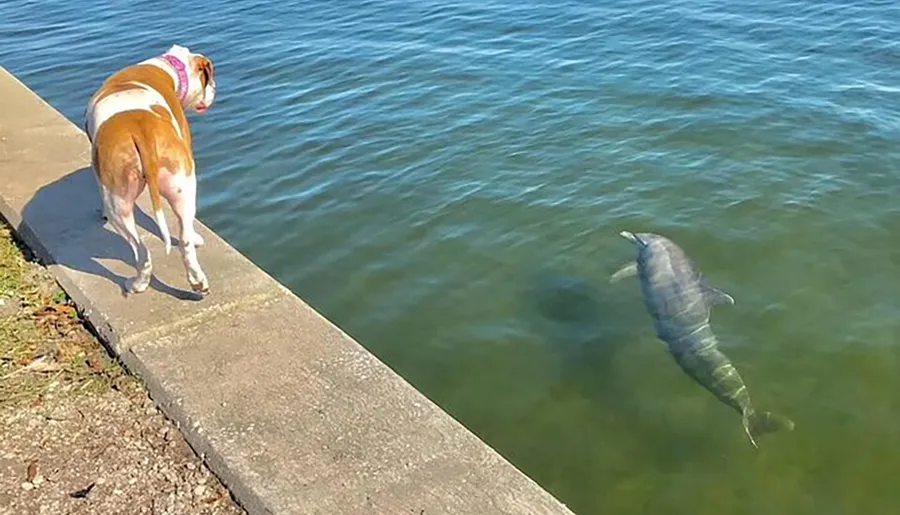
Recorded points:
(96,364)
(66,351)
(56,309)
(65,309)
(59,296)
(81,494)
(32,471)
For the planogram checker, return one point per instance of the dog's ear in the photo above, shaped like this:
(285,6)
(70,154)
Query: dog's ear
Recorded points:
(205,70)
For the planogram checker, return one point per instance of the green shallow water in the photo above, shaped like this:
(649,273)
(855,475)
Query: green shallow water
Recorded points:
(446,181)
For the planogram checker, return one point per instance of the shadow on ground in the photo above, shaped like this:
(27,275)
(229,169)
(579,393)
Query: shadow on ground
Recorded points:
(67,214)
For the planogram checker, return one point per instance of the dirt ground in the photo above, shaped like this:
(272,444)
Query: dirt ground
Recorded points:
(78,435)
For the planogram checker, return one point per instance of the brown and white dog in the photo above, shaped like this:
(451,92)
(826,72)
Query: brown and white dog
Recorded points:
(140,136)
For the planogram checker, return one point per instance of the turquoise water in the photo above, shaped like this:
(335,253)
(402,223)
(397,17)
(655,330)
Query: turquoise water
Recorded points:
(446,181)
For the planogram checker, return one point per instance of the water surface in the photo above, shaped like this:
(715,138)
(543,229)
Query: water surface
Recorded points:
(445,179)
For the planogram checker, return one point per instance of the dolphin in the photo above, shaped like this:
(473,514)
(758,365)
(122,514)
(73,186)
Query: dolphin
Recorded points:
(679,300)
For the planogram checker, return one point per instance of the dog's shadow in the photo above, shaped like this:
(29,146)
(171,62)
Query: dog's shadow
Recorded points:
(66,214)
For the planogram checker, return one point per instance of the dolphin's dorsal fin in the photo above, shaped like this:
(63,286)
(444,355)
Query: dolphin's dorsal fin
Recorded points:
(715,296)
(627,270)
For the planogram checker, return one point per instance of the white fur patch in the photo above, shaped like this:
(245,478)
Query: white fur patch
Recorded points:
(166,67)
(140,98)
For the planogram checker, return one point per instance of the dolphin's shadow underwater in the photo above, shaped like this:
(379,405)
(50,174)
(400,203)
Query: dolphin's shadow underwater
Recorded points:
(587,325)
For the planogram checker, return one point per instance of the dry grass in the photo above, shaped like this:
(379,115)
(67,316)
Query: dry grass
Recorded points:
(77,433)
(45,347)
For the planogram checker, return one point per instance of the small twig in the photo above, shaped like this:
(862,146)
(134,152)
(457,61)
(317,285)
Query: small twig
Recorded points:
(38,365)
(99,453)
(81,494)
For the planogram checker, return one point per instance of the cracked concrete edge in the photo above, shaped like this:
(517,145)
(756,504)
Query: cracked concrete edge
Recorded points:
(243,495)
(60,121)
(149,337)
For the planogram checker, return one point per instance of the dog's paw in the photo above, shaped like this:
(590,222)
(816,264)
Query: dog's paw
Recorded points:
(200,286)
(198,240)
(137,285)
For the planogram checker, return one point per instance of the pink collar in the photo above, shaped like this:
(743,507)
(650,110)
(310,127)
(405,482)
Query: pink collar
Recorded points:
(182,74)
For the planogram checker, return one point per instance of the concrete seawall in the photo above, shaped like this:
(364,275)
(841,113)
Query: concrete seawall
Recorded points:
(292,414)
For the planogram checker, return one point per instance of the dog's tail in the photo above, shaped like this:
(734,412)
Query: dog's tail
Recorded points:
(150,167)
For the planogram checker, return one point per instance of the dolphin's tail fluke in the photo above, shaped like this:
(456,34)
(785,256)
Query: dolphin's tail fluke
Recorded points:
(757,424)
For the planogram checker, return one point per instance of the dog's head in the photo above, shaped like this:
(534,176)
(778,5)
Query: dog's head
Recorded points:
(200,91)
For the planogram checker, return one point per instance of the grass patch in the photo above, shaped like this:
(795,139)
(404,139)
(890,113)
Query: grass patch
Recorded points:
(45,347)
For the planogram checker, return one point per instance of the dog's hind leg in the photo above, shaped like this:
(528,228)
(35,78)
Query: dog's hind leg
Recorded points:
(180,190)
(122,219)
(104,195)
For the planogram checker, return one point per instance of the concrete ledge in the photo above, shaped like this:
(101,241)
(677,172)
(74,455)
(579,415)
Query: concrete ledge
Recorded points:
(291,413)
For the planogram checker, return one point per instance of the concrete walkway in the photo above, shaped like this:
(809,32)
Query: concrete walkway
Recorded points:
(292,414)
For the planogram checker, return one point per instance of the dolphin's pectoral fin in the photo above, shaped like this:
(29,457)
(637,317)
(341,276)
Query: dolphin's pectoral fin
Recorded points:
(716,296)
(627,270)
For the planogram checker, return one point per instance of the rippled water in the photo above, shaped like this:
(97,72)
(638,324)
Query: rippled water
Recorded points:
(445,180)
